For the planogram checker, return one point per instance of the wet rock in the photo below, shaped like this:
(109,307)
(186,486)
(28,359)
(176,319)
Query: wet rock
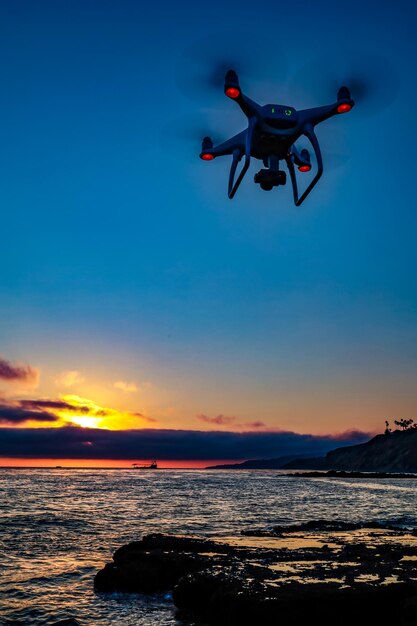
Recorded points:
(225,598)
(147,571)
(159,541)
(242,584)
(346,474)
(409,612)
(388,552)
(358,551)
(318,525)
(332,526)
(322,525)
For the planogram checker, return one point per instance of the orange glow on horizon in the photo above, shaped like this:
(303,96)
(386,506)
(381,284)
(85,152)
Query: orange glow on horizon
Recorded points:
(109,463)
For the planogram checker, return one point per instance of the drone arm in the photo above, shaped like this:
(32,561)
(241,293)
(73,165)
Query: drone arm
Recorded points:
(233,91)
(237,155)
(248,106)
(344,104)
(310,134)
(318,114)
(237,142)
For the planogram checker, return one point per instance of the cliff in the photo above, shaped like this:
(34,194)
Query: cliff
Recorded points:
(393,452)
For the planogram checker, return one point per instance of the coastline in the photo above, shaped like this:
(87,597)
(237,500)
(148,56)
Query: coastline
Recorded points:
(348,474)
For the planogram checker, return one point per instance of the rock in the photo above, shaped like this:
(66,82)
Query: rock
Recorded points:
(158,541)
(318,525)
(147,571)
(224,599)
(322,525)
(345,474)
(358,551)
(243,585)
(156,563)
(410,609)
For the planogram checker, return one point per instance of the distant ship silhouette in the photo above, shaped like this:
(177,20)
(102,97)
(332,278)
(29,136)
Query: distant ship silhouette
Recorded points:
(152,465)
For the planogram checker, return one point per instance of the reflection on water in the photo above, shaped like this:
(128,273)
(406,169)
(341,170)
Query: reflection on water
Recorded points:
(57,527)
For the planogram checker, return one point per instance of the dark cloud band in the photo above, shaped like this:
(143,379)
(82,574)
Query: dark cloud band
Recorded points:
(88,443)
(19,415)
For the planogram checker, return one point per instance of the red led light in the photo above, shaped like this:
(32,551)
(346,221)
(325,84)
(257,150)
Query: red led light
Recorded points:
(304,168)
(232,92)
(206,156)
(344,108)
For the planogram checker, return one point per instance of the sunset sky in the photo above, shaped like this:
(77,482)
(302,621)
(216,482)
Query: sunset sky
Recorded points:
(136,297)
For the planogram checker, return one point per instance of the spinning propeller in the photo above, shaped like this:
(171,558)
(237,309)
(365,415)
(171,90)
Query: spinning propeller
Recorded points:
(372,78)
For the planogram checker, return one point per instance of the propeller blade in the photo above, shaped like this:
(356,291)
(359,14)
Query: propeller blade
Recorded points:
(201,69)
(372,80)
(187,132)
(192,128)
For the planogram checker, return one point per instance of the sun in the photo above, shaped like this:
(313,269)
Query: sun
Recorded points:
(88,414)
(85,421)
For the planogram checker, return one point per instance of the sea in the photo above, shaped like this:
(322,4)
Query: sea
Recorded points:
(58,527)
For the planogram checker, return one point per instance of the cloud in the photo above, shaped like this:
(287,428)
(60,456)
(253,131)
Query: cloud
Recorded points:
(347,435)
(70,409)
(126,387)
(19,414)
(25,374)
(151,420)
(75,404)
(131,387)
(71,404)
(218,420)
(71,442)
(225,420)
(69,378)
(254,424)
(45,404)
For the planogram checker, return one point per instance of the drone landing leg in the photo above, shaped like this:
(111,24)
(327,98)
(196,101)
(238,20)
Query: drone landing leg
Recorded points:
(310,134)
(237,155)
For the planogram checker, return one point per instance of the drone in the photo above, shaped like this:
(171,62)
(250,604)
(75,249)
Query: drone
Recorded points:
(270,137)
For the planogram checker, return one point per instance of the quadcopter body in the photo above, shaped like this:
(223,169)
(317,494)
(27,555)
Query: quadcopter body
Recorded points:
(270,137)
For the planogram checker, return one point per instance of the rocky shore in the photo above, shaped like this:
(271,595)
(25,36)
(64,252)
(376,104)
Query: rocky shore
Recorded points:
(344,474)
(323,570)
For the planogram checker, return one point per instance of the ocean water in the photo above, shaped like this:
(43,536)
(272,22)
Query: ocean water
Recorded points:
(59,526)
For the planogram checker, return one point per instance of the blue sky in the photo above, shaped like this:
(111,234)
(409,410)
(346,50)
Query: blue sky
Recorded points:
(122,257)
